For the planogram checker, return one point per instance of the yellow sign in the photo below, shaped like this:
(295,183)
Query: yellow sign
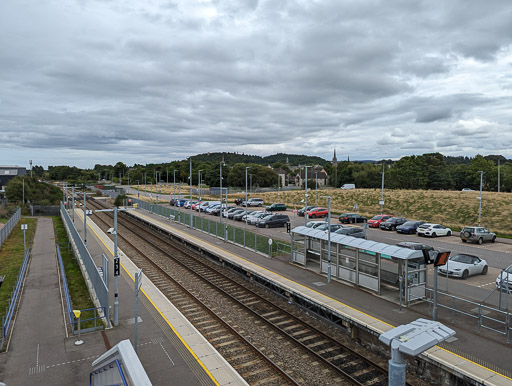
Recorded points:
(77,313)
(135,205)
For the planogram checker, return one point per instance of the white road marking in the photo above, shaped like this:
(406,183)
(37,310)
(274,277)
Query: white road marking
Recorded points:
(165,351)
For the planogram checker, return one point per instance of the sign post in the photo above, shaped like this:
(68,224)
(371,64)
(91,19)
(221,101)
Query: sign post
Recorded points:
(24,228)
(79,341)
(138,283)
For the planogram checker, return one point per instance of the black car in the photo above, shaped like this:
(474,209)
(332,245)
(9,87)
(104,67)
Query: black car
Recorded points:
(233,213)
(273,220)
(302,212)
(391,223)
(352,231)
(419,246)
(351,218)
(409,227)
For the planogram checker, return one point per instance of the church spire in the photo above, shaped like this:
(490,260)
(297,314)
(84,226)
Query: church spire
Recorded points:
(334,159)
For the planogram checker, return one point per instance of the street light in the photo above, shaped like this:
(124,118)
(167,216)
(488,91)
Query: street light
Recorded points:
(316,187)
(480,198)
(247,167)
(220,212)
(174,184)
(138,193)
(306,194)
(190,178)
(381,202)
(328,238)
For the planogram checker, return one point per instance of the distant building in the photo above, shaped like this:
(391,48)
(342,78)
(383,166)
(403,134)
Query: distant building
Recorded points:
(313,173)
(283,177)
(8,172)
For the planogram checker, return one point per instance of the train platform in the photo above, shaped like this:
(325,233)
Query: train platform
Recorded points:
(376,313)
(41,350)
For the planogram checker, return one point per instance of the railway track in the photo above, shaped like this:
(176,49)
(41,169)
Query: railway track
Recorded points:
(177,272)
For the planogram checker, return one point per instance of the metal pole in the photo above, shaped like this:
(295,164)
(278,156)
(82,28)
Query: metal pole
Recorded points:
(24,241)
(73,202)
(220,217)
(306,194)
(151,195)
(190,192)
(434,308)
(85,219)
(329,240)
(316,187)
(116,295)
(278,180)
(247,167)
(23,200)
(480,199)
(499,176)
(250,184)
(137,287)
(382,192)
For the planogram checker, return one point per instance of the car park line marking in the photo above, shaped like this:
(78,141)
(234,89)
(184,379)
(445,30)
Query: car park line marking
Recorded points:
(486,284)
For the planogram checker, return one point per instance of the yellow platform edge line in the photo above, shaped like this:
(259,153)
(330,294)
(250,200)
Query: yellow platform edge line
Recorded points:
(160,312)
(310,289)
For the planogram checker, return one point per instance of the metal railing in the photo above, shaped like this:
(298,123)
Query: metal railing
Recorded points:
(247,239)
(96,278)
(6,320)
(486,316)
(9,226)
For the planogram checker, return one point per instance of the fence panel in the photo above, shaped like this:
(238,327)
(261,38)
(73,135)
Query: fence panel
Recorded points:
(99,286)
(9,226)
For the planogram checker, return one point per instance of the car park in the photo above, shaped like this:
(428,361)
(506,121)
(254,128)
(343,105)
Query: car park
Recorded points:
(352,231)
(228,211)
(215,211)
(318,212)
(421,247)
(182,201)
(409,227)
(273,220)
(504,279)
(351,218)
(391,223)
(239,201)
(433,230)
(375,221)
(463,266)
(333,227)
(276,207)
(302,212)
(477,235)
(314,224)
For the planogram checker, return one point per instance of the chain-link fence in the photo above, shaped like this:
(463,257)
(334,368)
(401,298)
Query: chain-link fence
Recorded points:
(6,230)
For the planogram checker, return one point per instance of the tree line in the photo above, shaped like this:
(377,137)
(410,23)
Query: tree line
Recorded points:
(427,171)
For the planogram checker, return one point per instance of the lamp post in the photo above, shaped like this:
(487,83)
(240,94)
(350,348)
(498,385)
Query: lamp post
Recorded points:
(85,219)
(306,193)
(278,180)
(382,192)
(138,194)
(247,167)
(316,187)
(480,198)
(250,183)
(220,212)
(328,238)
(174,185)
(190,178)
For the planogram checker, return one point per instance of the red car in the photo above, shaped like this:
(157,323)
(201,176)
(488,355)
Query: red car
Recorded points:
(194,206)
(375,221)
(318,212)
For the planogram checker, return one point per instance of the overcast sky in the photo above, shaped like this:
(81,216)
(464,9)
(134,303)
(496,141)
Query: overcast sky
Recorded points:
(85,82)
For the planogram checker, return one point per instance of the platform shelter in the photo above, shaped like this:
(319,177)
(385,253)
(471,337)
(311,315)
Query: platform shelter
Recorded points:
(364,263)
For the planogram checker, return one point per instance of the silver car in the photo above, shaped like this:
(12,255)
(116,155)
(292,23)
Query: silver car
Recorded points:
(477,235)
(463,266)
(504,279)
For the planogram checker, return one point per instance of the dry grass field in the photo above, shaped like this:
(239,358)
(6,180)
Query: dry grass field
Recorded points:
(450,208)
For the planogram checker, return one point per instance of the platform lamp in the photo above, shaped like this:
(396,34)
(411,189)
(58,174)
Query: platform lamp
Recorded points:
(190,178)
(220,212)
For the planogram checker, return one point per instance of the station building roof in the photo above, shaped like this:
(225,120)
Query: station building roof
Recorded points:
(367,245)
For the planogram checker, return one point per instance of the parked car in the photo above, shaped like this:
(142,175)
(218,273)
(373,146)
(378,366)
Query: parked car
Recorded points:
(232,214)
(253,202)
(254,217)
(419,246)
(391,223)
(228,211)
(215,211)
(318,212)
(315,224)
(464,265)
(504,279)
(477,235)
(182,201)
(302,212)
(276,207)
(196,204)
(467,190)
(433,230)
(351,218)
(238,201)
(238,216)
(211,208)
(333,228)
(375,221)
(352,231)
(409,227)
(273,220)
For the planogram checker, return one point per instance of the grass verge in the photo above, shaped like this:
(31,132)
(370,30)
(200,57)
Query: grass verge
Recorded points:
(80,297)
(11,258)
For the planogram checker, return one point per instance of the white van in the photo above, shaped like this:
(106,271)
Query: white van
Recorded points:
(348,186)
(254,202)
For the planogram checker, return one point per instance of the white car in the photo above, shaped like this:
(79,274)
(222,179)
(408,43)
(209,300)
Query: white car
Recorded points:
(254,217)
(433,230)
(504,279)
(315,224)
(463,265)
